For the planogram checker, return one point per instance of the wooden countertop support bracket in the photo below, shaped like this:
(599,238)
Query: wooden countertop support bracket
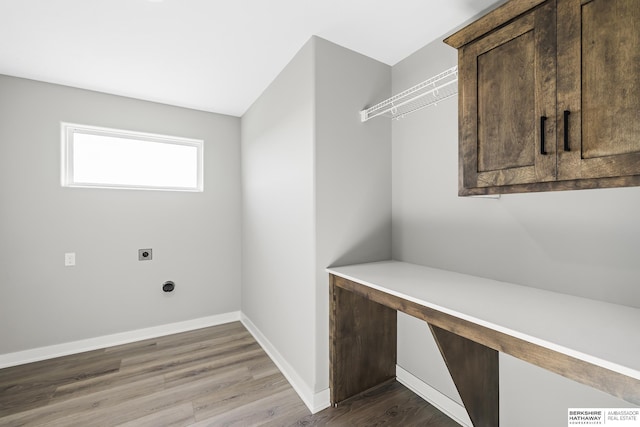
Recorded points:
(474,369)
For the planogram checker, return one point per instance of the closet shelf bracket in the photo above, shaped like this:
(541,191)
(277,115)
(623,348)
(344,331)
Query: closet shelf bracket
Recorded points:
(429,92)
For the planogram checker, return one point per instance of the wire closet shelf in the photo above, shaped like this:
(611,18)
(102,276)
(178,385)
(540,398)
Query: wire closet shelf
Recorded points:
(429,92)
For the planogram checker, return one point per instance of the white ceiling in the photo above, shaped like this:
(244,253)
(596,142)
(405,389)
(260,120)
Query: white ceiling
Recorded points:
(210,55)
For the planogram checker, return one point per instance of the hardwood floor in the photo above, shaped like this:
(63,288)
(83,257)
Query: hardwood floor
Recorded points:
(216,376)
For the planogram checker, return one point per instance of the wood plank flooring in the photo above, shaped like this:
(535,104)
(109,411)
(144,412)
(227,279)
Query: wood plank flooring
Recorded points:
(216,376)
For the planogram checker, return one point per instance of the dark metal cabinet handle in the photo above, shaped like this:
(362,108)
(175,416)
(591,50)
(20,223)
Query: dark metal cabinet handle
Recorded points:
(543,119)
(566,130)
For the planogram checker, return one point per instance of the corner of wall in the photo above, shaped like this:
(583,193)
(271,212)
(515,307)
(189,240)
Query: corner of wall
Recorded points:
(352,173)
(315,401)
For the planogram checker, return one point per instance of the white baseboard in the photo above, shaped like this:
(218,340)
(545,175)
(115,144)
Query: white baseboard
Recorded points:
(451,408)
(314,401)
(49,352)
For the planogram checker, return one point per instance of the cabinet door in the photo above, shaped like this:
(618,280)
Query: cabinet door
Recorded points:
(599,85)
(508,85)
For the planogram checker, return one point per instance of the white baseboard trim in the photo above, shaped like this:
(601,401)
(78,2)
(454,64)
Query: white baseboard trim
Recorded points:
(57,350)
(451,408)
(314,401)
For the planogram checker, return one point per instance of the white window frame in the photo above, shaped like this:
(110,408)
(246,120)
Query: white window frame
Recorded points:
(69,130)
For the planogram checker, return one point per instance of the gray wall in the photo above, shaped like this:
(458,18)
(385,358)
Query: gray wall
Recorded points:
(353,173)
(278,292)
(316,192)
(582,243)
(195,236)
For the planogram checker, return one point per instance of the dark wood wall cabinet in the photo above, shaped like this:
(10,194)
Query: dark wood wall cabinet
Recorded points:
(549,97)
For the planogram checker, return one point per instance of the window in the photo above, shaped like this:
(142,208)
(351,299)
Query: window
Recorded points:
(110,158)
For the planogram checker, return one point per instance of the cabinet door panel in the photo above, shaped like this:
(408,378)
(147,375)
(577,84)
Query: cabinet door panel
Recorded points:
(599,83)
(509,83)
(506,105)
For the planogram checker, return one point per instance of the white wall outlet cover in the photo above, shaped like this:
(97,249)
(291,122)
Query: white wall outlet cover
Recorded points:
(70,259)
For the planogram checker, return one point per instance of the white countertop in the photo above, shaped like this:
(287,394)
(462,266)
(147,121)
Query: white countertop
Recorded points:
(600,333)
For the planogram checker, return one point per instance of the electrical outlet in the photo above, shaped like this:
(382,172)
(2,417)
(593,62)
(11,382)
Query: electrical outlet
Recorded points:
(145,254)
(69,259)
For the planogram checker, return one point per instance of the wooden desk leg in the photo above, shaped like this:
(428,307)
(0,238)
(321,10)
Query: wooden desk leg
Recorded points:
(362,343)
(474,369)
